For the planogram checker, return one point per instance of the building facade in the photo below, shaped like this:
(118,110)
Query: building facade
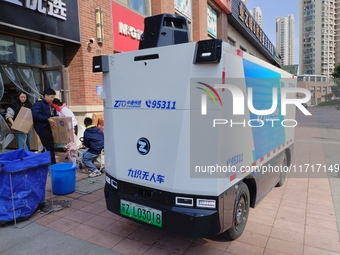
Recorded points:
(245,33)
(318,85)
(257,15)
(48,43)
(337,32)
(317,37)
(285,39)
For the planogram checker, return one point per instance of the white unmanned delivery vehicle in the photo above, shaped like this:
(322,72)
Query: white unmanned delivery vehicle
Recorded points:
(185,150)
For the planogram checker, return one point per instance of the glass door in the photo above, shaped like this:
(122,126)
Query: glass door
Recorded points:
(14,79)
(55,78)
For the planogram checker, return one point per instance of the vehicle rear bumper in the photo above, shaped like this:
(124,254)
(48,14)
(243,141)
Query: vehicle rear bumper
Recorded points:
(191,222)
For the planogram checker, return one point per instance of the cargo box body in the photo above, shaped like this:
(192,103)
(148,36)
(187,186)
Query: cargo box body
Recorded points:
(164,157)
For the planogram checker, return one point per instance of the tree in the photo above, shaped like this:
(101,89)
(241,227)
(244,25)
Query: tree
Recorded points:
(336,73)
(327,97)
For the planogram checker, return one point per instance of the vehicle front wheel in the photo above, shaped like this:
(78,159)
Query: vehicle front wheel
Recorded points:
(241,212)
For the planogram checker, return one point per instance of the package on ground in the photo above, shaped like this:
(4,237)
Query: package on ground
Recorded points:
(63,133)
(24,121)
(96,117)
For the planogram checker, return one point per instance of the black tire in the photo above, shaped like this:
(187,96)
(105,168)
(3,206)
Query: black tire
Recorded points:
(283,174)
(241,212)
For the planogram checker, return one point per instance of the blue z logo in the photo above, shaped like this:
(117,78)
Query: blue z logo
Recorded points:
(142,146)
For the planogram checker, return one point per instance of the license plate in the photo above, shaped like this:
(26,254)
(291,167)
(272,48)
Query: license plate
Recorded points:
(141,213)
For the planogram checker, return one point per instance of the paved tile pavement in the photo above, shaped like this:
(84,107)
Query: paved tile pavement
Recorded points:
(301,217)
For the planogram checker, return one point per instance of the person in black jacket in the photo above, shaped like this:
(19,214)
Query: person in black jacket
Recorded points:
(23,140)
(94,141)
(42,111)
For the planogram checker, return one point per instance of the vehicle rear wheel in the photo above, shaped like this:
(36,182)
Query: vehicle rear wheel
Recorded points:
(283,174)
(241,213)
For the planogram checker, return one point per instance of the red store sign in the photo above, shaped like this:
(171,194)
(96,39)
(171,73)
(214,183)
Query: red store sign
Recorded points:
(226,5)
(127,28)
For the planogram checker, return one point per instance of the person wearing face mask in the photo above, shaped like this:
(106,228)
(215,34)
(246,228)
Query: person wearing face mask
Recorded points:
(23,140)
(42,112)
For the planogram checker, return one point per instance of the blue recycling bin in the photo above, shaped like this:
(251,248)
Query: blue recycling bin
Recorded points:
(23,176)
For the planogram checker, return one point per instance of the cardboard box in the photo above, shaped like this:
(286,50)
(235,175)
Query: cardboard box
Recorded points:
(24,121)
(63,133)
(95,117)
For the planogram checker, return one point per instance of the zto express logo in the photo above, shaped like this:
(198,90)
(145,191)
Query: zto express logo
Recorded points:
(204,97)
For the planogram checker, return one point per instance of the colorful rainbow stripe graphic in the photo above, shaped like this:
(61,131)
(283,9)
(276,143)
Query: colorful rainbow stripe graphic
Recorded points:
(209,93)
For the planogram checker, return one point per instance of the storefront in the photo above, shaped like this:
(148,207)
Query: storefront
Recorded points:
(33,37)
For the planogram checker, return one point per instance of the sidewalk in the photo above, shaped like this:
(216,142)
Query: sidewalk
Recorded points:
(300,217)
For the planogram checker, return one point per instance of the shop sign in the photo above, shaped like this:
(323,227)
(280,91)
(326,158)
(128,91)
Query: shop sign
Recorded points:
(247,19)
(225,5)
(54,8)
(127,28)
(52,18)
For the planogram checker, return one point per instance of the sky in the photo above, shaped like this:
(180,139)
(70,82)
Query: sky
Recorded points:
(278,9)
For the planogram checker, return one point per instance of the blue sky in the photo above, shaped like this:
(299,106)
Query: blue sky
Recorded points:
(277,9)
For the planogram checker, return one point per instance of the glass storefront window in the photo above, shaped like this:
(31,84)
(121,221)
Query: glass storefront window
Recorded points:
(7,50)
(36,53)
(15,79)
(53,79)
(54,55)
(212,22)
(184,7)
(23,76)
(141,6)
(125,2)
(22,48)
(138,5)
(37,79)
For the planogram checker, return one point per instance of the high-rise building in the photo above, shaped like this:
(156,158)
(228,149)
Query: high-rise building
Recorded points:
(317,37)
(285,39)
(257,15)
(245,2)
(337,34)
